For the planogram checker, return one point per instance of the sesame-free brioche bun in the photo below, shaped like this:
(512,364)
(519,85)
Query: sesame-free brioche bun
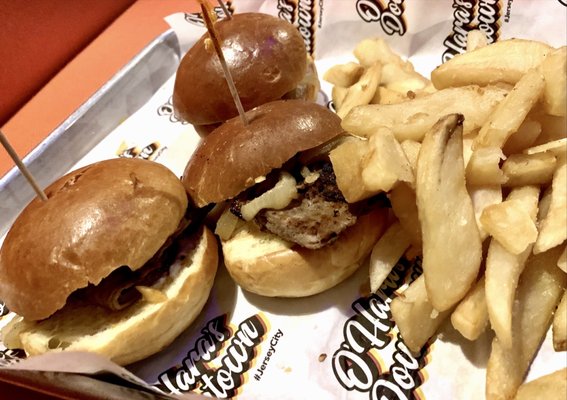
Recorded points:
(96,219)
(230,159)
(133,333)
(266,56)
(264,264)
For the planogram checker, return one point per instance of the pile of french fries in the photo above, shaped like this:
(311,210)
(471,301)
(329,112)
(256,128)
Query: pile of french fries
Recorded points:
(474,164)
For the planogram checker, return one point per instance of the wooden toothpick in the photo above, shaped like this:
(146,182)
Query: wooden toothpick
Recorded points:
(206,10)
(12,153)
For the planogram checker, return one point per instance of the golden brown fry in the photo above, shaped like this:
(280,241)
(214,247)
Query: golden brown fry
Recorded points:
(557,147)
(370,51)
(529,169)
(338,94)
(511,112)
(470,317)
(362,91)
(475,40)
(540,289)
(403,201)
(415,316)
(553,229)
(483,167)
(482,197)
(412,119)
(553,69)
(504,61)
(524,137)
(452,247)
(386,253)
(385,163)
(548,387)
(344,75)
(560,325)
(503,269)
(552,128)
(387,96)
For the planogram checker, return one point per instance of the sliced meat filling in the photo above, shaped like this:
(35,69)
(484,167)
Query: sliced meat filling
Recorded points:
(313,220)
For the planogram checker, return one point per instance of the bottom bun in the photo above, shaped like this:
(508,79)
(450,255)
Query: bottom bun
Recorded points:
(264,264)
(136,332)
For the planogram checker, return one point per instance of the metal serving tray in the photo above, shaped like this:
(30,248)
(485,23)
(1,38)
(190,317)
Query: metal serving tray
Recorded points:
(115,101)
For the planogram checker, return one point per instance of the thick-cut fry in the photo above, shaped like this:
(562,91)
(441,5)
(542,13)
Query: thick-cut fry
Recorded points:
(511,224)
(548,387)
(504,61)
(470,317)
(562,260)
(529,169)
(388,96)
(560,325)
(346,165)
(386,253)
(370,51)
(338,94)
(553,229)
(452,249)
(412,119)
(414,315)
(483,167)
(540,289)
(411,149)
(511,112)
(553,69)
(475,40)
(344,75)
(482,197)
(403,201)
(385,163)
(395,77)
(523,138)
(503,270)
(362,91)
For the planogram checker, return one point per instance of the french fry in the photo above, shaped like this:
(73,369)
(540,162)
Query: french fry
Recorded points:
(548,387)
(562,260)
(557,147)
(470,317)
(412,119)
(395,77)
(483,167)
(345,159)
(452,249)
(552,128)
(411,150)
(553,69)
(475,40)
(385,163)
(338,94)
(344,75)
(553,229)
(529,169)
(511,224)
(560,325)
(370,51)
(539,291)
(403,201)
(504,61)
(511,112)
(482,197)
(362,91)
(523,138)
(503,270)
(388,96)
(386,253)
(415,316)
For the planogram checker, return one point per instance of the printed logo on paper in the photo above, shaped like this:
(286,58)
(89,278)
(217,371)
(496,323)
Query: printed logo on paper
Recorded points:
(167,110)
(469,15)
(150,152)
(220,361)
(197,19)
(3,309)
(373,358)
(306,15)
(389,14)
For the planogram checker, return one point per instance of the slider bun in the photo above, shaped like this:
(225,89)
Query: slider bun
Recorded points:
(230,159)
(97,218)
(266,265)
(266,57)
(136,332)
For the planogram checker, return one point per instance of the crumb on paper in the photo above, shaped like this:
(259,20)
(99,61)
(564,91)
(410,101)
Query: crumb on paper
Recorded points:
(287,370)
(322,357)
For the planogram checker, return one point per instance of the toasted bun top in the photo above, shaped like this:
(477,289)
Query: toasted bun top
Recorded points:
(230,159)
(266,57)
(96,219)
